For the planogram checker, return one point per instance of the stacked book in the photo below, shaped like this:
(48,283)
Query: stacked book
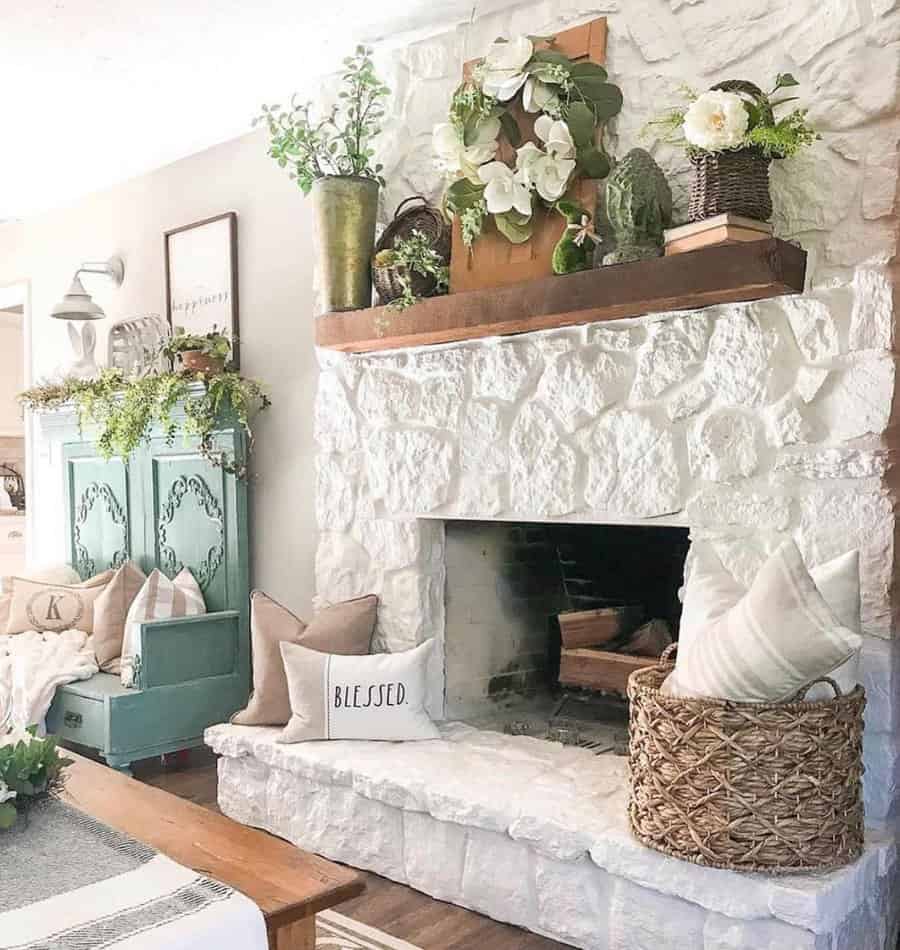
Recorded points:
(721,229)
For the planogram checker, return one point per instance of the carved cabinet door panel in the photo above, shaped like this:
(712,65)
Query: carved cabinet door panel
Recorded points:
(100,495)
(197,519)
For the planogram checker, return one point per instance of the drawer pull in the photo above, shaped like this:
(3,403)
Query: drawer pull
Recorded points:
(14,535)
(72,720)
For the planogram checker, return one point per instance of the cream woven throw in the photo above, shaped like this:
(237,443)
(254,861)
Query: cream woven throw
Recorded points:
(68,882)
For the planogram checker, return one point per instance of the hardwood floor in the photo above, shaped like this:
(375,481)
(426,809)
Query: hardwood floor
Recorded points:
(393,908)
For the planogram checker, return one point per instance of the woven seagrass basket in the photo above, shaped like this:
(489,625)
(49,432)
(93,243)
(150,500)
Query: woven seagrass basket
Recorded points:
(774,787)
(430,222)
(735,181)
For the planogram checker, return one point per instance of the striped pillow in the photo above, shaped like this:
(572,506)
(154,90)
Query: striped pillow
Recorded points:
(159,599)
(777,638)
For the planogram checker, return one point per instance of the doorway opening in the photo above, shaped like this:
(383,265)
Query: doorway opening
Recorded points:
(14,376)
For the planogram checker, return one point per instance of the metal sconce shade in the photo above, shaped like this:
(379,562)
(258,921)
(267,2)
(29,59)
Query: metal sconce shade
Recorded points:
(77,305)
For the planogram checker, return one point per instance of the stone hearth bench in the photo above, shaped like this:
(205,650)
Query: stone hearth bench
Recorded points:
(536,834)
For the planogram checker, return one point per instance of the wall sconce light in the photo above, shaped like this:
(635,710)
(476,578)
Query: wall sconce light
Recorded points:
(78,307)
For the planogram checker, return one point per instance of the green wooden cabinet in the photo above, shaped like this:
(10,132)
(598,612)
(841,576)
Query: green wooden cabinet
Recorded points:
(166,507)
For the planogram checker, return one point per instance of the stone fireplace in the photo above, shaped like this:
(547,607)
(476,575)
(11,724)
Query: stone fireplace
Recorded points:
(739,424)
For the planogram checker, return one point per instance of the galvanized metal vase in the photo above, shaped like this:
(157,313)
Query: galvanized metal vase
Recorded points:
(344,211)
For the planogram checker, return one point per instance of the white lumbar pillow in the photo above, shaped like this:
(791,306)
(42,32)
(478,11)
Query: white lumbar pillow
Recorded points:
(381,696)
(772,640)
(838,583)
(159,599)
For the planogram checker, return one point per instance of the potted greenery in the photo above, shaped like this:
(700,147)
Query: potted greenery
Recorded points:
(205,353)
(333,159)
(410,270)
(732,134)
(30,770)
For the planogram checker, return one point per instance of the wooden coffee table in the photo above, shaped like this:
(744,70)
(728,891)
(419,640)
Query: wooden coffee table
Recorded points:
(289,886)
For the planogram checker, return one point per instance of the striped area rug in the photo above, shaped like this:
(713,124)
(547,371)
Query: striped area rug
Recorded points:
(336,932)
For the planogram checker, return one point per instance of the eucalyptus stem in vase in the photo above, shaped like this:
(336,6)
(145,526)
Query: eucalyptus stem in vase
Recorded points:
(333,159)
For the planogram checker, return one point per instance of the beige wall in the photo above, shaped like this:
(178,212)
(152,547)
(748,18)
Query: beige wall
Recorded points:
(275,273)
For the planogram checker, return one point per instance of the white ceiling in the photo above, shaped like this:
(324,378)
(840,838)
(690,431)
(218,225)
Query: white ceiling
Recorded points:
(93,92)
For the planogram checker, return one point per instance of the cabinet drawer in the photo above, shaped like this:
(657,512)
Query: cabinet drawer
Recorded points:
(78,719)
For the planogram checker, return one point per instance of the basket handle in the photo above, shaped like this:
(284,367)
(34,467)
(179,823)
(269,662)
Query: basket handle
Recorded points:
(800,695)
(667,655)
(406,201)
(749,90)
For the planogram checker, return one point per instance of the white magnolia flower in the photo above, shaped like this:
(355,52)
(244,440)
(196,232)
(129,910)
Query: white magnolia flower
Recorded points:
(555,135)
(502,69)
(455,158)
(503,192)
(551,176)
(5,793)
(716,120)
(526,157)
(539,96)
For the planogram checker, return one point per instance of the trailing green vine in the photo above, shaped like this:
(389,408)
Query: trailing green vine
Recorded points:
(127,410)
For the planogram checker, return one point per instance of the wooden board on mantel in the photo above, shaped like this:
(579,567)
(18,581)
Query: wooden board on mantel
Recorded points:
(728,273)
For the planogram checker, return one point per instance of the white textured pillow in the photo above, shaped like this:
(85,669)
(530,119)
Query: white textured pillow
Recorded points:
(381,696)
(776,638)
(63,575)
(159,599)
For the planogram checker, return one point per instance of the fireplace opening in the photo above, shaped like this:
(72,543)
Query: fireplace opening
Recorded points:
(544,622)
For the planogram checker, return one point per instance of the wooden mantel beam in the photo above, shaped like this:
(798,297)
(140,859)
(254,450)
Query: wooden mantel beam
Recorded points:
(724,274)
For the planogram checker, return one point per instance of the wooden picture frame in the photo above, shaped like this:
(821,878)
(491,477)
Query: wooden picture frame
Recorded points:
(201,269)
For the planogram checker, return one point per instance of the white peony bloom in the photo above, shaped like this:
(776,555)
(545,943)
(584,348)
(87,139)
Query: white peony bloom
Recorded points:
(716,120)
(539,96)
(455,158)
(555,135)
(501,72)
(503,191)
(5,794)
(551,176)
(526,157)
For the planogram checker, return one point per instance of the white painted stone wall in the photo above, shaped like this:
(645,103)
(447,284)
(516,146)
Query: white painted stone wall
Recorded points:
(747,423)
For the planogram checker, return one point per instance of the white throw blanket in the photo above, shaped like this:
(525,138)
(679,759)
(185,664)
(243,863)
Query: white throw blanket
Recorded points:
(32,665)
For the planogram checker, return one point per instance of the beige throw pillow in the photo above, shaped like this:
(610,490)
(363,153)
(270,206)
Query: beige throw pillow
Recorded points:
(377,697)
(159,599)
(110,612)
(344,628)
(35,605)
(776,638)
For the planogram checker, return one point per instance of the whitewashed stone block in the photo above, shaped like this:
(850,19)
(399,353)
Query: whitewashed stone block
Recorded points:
(718,34)
(343,569)
(503,896)
(813,326)
(872,320)
(386,397)
(434,855)
(335,494)
(786,423)
(483,448)
(665,359)
(689,400)
(722,446)
(616,340)
(833,463)
(724,506)
(542,467)
(738,361)
(500,370)
(409,469)
(859,396)
(573,901)
(644,920)
(835,106)
(829,21)
(577,386)
(335,425)
(724,933)
(632,468)
(441,401)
